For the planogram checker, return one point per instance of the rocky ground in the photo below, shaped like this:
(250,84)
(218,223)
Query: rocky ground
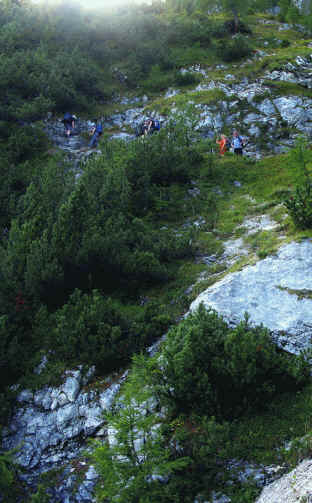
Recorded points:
(270,122)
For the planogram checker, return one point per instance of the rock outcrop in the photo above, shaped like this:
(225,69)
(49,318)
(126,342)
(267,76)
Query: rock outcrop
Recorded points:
(275,291)
(53,424)
(295,487)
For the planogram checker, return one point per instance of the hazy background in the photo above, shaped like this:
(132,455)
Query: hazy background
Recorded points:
(95,4)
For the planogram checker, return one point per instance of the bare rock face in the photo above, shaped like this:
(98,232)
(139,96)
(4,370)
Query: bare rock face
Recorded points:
(275,292)
(294,487)
(53,424)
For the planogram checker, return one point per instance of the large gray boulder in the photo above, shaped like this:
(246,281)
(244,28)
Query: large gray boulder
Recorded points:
(274,291)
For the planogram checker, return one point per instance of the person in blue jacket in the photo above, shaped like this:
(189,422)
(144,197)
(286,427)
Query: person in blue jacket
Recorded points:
(96,132)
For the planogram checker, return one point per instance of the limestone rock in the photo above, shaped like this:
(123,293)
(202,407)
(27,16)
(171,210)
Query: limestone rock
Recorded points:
(291,488)
(266,107)
(53,423)
(270,292)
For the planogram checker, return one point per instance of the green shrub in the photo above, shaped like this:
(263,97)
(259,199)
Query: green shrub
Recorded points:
(186,79)
(91,329)
(299,204)
(285,43)
(8,481)
(299,201)
(234,49)
(210,369)
(157,80)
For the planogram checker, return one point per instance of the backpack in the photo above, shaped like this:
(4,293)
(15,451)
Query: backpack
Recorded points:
(99,128)
(156,124)
(68,117)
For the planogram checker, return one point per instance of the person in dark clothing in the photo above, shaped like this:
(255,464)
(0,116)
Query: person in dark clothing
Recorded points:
(148,127)
(69,123)
(96,132)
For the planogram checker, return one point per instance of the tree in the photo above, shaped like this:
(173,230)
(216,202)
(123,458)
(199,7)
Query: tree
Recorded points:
(136,462)
(236,8)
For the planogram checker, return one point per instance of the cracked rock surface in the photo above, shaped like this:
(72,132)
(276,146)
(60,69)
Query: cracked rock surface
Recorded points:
(274,292)
(54,423)
(294,487)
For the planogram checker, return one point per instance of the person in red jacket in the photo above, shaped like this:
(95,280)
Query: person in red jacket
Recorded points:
(222,144)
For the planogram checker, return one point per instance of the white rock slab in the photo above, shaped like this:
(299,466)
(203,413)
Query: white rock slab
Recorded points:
(294,487)
(261,290)
(259,223)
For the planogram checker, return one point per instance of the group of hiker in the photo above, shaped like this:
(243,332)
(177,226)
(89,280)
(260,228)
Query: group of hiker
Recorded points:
(148,127)
(95,131)
(237,143)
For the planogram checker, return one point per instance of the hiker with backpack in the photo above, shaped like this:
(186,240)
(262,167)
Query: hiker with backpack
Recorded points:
(69,123)
(96,132)
(148,127)
(237,143)
(223,144)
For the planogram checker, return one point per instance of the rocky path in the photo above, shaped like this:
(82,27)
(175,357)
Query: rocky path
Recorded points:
(71,144)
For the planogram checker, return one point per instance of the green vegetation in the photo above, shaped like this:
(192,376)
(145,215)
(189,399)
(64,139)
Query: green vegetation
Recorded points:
(94,269)
(299,202)
(205,379)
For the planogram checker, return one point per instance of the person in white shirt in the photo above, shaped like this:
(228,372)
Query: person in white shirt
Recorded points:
(237,143)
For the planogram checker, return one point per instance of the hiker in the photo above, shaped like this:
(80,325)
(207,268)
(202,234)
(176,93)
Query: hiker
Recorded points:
(237,143)
(222,144)
(69,123)
(147,126)
(96,132)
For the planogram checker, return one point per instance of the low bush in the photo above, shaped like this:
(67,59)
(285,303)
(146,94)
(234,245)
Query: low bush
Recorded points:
(299,204)
(158,80)
(234,49)
(94,330)
(186,79)
(210,369)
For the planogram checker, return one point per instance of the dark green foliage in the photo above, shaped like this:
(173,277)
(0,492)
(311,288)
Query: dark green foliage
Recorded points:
(41,69)
(234,49)
(40,496)
(8,482)
(285,43)
(299,204)
(210,369)
(230,27)
(157,80)
(103,233)
(93,329)
(186,79)
(205,369)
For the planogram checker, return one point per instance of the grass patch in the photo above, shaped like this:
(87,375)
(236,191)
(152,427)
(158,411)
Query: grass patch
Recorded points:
(282,88)
(263,243)
(261,438)
(301,294)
